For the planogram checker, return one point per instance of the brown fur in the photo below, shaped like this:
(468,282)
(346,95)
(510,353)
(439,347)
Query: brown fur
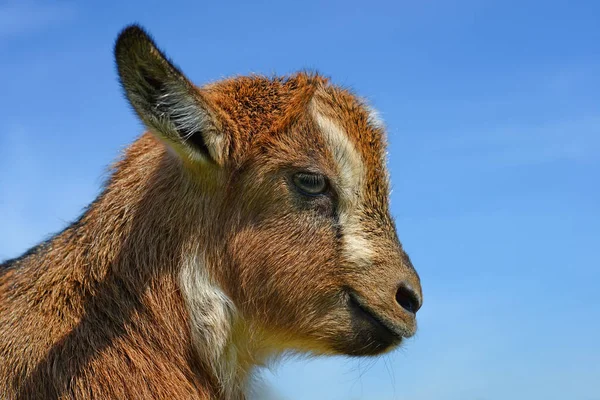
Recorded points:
(108,307)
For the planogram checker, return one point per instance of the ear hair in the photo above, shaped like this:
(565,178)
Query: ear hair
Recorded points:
(165,100)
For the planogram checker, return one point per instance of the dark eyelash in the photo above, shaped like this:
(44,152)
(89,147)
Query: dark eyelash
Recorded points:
(310,184)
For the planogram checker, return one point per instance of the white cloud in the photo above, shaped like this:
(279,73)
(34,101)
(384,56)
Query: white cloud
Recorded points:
(34,201)
(24,17)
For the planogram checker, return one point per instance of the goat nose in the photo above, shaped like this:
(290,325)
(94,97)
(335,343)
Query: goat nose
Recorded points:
(408,298)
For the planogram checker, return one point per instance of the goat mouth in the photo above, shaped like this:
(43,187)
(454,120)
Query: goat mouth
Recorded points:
(384,329)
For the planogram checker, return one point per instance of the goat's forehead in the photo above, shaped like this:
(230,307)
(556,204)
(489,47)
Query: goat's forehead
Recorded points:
(339,112)
(344,128)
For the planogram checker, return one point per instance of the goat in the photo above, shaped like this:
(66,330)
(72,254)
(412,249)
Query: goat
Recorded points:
(251,220)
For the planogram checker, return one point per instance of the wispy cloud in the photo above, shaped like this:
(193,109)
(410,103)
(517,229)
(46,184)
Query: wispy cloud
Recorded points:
(26,17)
(574,140)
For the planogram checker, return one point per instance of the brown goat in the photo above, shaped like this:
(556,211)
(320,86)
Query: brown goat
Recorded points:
(252,220)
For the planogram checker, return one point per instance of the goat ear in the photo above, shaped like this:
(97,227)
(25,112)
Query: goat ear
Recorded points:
(165,100)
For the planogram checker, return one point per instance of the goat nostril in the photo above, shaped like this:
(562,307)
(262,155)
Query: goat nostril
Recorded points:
(408,298)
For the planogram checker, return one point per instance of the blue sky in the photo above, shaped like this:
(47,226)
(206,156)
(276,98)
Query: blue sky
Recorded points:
(493,115)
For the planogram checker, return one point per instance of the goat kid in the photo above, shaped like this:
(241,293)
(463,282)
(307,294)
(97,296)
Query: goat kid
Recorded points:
(252,220)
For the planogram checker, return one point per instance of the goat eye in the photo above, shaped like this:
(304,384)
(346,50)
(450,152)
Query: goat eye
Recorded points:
(309,183)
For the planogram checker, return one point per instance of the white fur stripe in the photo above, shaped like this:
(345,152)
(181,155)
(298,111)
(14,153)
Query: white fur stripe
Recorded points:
(348,161)
(350,182)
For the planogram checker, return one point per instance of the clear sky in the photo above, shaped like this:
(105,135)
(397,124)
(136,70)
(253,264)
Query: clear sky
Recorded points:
(493,112)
